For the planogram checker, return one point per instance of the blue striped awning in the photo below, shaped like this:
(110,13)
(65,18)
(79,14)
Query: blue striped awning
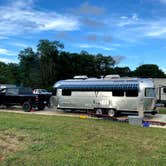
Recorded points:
(98,86)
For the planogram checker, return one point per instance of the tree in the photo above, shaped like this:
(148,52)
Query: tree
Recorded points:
(29,68)
(3,73)
(65,66)
(104,64)
(83,64)
(13,74)
(122,71)
(149,70)
(48,52)
(9,73)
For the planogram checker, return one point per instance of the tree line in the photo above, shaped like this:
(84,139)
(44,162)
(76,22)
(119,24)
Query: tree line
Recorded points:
(49,63)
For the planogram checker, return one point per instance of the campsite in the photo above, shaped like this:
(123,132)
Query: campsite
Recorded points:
(82,83)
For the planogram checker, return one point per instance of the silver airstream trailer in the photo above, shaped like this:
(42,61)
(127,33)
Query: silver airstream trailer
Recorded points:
(106,96)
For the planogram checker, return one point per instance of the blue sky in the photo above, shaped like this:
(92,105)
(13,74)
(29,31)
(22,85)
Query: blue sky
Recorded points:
(132,31)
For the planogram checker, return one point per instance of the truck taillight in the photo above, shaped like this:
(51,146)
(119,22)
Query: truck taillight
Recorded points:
(36,99)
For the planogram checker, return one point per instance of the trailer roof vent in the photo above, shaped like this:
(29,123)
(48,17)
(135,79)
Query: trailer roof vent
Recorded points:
(92,78)
(83,77)
(114,76)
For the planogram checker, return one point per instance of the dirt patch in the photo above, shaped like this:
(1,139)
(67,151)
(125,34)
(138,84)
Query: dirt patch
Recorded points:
(11,141)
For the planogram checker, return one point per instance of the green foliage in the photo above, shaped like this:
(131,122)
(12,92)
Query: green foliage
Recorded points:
(149,70)
(103,64)
(9,73)
(122,71)
(162,110)
(72,64)
(29,67)
(41,69)
(48,53)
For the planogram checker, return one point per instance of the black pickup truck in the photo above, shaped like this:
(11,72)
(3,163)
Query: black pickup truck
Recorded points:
(24,97)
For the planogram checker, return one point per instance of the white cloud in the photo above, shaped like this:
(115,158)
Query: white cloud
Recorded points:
(127,21)
(152,28)
(157,31)
(163,1)
(4,51)
(20,17)
(134,28)
(135,17)
(89,9)
(7,60)
(118,59)
(164,70)
(95,46)
(21,45)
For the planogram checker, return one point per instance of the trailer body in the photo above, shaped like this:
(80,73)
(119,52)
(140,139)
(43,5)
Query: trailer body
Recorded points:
(103,95)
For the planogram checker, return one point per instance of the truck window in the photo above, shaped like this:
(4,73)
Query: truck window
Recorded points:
(25,90)
(54,92)
(117,93)
(149,92)
(66,92)
(12,91)
(132,93)
(164,90)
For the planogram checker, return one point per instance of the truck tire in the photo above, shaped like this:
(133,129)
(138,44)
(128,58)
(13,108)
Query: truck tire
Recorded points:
(41,107)
(27,107)
(7,106)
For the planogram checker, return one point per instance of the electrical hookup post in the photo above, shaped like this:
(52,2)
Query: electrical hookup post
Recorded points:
(140,108)
(138,120)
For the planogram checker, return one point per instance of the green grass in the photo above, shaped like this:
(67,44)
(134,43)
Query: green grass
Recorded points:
(35,140)
(162,110)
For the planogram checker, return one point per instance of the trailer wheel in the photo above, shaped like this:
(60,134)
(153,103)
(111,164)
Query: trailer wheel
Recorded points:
(27,107)
(112,112)
(67,110)
(99,111)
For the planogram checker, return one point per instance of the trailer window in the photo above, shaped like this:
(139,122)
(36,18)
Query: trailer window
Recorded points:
(117,93)
(132,93)
(164,90)
(66,92)
(149,92)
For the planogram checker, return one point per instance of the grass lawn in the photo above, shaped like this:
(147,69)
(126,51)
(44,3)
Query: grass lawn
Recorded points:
(35,140)
(162,110)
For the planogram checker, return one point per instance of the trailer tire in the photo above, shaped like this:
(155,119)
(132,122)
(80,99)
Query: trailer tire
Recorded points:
(112,112)
(27,107)
(67,110)
(99,111)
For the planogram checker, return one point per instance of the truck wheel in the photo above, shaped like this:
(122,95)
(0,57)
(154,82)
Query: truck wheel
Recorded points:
(41,107)
(99,111)
(112,112)
(27,107)
(7,106)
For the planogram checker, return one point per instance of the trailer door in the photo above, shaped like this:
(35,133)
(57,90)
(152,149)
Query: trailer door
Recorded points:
(149,99)
(131,99)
